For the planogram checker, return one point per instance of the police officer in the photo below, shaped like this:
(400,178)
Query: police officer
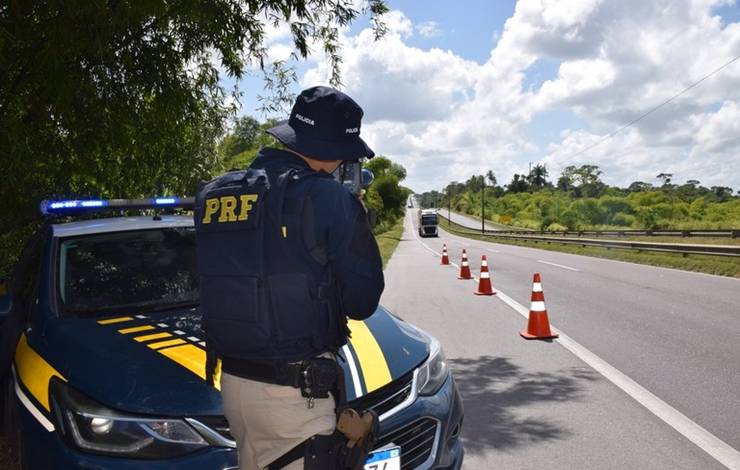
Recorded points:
(285,255)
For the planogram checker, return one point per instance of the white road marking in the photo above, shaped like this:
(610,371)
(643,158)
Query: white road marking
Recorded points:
(708,442)
(492,250)
(559,265)
(30,406)
(353,370)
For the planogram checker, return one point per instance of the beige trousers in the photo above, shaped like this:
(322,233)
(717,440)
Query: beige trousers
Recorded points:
(268,420)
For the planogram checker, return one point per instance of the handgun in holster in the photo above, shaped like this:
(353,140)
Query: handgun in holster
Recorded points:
(361,432)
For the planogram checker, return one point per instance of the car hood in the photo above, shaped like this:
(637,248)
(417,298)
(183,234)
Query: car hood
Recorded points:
(155,363)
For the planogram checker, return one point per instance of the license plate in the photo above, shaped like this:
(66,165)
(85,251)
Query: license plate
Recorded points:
(384,459)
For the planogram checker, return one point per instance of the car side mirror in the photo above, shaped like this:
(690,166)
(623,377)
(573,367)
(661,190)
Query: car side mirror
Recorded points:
(6,299)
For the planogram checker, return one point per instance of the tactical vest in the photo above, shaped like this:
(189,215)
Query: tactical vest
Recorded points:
(264,295)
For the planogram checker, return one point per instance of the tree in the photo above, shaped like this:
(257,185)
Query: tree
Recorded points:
(491,178)
(665,178)
(518,184)
(246,131)
(537,177)
(475,183)
(583,181)
(721,193)
(639,186)
(113,98)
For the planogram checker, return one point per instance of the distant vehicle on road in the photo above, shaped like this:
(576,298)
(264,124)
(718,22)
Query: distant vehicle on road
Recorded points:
(109,371)
(428,223)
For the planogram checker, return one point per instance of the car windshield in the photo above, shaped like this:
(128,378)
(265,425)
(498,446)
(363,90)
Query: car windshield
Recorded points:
(145,269)
(429,219)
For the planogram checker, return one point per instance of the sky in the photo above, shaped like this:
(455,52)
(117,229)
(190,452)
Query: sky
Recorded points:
(460,88)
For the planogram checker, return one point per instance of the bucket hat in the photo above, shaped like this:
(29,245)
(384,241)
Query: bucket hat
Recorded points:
(324,124)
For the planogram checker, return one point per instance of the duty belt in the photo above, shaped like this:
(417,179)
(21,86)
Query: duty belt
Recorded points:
(314,377)
(276,373)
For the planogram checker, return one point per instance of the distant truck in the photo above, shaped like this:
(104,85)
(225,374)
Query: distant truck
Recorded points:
(428,223)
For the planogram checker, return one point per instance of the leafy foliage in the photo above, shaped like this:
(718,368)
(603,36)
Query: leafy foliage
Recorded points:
(385,196)
(122,98)
(582,201)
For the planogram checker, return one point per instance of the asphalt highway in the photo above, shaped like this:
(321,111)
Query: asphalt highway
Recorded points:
(467,221)
(674,335)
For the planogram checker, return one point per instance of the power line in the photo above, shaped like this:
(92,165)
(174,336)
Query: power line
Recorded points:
(652,110)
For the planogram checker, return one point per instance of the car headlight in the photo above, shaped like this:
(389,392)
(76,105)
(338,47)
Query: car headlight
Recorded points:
(91,427)
(433,373)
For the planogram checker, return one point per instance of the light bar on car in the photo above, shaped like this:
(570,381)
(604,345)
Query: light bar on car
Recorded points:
(84,206)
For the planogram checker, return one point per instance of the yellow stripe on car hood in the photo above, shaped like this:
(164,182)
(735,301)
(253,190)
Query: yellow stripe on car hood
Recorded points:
(372,361)
(184,352)
(34,372)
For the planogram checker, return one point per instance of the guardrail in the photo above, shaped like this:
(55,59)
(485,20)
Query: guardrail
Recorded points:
(710,233)
(683,248)
(729,233)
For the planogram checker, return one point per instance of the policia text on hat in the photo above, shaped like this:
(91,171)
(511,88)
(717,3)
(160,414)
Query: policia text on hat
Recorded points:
(285,254)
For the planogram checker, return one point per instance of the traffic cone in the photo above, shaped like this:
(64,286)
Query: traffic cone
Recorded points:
(538,326)
(484,283)
(445,258)
(464,267)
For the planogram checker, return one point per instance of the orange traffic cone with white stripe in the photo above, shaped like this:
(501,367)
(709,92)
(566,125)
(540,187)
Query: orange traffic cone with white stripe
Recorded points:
(538,326)
(464,267)
(484,283)
(445,258)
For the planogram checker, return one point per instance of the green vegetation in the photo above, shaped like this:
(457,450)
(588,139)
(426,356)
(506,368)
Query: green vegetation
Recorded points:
(388,241)
(723,266)
(580,200)
(386,197)
(123,99)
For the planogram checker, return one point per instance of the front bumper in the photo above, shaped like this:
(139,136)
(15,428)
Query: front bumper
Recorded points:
(446,408)
(45,450)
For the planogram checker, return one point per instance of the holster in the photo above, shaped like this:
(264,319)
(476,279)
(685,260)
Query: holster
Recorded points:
(346,448)
(361,434)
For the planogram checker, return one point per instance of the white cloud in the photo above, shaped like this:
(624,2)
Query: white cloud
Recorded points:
(428,29)
(278,52)
(445,117)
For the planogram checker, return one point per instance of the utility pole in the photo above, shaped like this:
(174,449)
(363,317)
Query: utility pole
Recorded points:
(449,208)
(483,208)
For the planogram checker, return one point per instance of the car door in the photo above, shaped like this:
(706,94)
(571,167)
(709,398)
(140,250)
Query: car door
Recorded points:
(20,298)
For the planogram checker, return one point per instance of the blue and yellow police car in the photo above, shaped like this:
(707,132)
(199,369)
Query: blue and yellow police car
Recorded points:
(109,369)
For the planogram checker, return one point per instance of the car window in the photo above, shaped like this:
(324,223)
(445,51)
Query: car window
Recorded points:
(114,271)
(429,219)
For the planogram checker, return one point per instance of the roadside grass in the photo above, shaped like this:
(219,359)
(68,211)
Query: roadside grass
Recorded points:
(388,240)
(723,266)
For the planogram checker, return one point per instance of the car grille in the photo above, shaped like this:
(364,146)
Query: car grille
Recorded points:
(218,424)
(429,230)
(386,398)
(416,440)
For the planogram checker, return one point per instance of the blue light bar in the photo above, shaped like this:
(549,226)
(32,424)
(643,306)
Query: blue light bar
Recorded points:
(165,201)
(49,207)
(79,206)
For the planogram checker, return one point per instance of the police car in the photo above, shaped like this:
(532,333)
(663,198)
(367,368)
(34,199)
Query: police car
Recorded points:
(108,372)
